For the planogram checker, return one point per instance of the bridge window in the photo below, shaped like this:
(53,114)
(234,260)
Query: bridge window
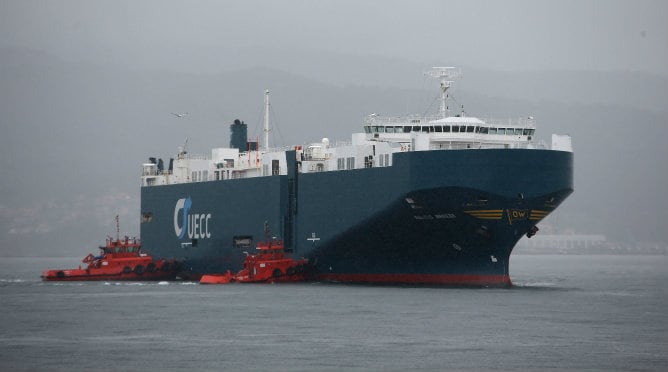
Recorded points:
(518,131)
(425,129)
(438,128)
(398,129)
(484,130)
(416,128)
(389,129)
(367,129)
(492,131)
(407,129)
(455,128)
(502,131)
(470,129)
(446,129)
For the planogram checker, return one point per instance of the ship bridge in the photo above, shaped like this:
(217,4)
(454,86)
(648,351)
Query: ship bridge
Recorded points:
(454,132)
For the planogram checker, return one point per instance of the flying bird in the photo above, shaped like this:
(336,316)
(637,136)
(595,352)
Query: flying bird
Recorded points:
(179,114)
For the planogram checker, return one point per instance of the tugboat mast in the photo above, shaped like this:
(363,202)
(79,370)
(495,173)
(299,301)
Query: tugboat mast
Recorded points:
(118,230)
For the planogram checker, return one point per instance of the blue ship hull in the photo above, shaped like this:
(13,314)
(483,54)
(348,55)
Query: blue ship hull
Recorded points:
(433,217)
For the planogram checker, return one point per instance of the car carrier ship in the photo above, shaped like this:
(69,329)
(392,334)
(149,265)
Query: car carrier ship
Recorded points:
(411,200)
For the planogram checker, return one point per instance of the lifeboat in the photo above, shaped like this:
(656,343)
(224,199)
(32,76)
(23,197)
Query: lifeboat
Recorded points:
(271,264)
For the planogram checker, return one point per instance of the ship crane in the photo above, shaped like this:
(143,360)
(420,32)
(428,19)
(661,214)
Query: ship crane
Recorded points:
(182,149)
(445,75)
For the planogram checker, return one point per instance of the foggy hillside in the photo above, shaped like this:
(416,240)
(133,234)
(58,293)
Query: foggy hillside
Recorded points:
(75,134)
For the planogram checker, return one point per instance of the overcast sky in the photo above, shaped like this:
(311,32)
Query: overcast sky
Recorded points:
(503,35)
(74,72)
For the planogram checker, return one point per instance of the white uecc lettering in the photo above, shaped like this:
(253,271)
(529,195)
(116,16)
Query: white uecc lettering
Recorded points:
(208,217)
(197,224)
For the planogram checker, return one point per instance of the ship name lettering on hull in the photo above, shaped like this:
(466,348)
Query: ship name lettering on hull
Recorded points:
(195,224)
(198,226)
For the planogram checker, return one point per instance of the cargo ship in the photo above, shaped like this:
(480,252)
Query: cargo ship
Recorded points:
(436,200)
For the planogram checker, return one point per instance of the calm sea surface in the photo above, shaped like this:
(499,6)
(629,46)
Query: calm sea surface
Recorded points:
(565,313)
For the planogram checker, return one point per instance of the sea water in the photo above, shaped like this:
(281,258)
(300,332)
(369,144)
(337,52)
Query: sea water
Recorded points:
(564,313)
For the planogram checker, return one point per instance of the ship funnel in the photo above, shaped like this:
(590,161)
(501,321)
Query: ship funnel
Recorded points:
(239,135)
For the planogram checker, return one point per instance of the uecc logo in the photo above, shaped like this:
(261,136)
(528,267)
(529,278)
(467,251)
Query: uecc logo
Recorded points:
(196,224)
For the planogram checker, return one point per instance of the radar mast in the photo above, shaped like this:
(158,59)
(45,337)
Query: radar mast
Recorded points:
(444,74)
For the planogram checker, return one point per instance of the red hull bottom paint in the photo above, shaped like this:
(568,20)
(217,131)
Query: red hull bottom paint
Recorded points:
(437,279)
(74,275)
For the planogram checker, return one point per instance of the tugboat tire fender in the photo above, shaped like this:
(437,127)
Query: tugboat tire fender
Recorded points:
(165,266)
(151,267)
(277,273)
(127,270)
(290,271)
(139,269)
(60,274)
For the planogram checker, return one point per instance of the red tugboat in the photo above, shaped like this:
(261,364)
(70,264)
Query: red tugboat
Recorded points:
(270,265)
(119,260)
